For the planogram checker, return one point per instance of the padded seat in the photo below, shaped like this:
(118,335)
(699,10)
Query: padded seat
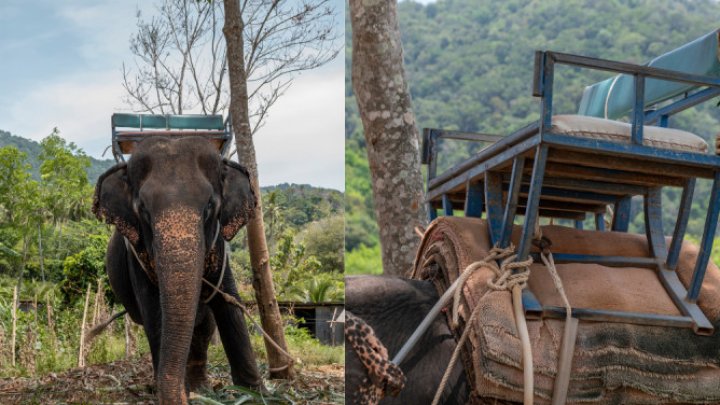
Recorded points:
(616,131)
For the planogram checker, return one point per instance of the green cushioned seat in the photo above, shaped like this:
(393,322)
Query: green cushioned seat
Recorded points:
(191,121)
(614,97)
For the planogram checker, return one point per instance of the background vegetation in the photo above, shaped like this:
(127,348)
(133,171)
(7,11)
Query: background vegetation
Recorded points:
(469,66)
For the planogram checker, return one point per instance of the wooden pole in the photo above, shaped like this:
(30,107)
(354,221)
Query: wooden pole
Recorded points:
(14,324)
(81,353)
(50,321)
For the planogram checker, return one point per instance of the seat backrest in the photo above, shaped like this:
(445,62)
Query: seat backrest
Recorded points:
(614,98)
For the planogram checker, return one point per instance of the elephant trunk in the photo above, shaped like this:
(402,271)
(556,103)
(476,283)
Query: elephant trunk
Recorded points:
(179,258)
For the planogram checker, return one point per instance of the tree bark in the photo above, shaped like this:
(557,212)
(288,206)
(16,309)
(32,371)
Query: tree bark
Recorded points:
(392,140)
(280,366)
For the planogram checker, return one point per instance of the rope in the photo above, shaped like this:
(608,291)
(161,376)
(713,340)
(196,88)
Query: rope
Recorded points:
(233,301)
(506,279)
(222,269)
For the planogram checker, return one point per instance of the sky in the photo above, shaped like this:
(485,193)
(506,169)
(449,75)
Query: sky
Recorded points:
(61,66)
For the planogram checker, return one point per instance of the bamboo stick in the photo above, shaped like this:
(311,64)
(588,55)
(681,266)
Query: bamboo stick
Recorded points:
(14,325)
(81,353)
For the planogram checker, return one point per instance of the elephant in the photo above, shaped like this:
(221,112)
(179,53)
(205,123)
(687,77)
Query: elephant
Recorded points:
(173,204)
(394,307)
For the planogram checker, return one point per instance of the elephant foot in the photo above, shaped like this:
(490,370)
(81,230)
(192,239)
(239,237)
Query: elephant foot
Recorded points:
(196,376)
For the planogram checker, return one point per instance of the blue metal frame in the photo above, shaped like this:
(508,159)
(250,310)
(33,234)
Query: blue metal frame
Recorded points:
(502,167)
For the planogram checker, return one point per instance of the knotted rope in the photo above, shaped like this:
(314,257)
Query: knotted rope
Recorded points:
(506,279)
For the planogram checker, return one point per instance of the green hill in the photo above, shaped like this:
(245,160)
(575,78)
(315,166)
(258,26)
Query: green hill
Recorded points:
(469,66)
(32,149)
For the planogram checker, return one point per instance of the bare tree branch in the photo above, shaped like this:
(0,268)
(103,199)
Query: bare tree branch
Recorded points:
(181,63)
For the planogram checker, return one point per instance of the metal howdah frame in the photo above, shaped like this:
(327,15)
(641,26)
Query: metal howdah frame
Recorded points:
(563,176)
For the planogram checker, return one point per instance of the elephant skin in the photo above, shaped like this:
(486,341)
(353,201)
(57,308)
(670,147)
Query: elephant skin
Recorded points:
(174,202)
(394,307)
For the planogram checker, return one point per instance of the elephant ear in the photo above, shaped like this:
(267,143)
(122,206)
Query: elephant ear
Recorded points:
(238,199)
(112,202)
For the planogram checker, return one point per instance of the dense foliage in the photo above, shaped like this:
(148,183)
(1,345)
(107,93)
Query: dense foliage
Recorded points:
(469,66)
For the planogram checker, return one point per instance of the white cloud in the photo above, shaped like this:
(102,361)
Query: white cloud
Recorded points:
(303,141)
(79,106)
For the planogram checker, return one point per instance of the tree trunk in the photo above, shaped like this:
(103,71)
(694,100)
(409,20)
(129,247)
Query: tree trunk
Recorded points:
(259,257)
(391,136)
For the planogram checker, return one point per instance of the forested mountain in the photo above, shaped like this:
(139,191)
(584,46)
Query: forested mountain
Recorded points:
(469,66)
(32,149)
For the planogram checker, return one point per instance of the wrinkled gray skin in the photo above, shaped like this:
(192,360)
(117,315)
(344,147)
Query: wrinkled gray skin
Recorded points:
(168,202)
(394,307)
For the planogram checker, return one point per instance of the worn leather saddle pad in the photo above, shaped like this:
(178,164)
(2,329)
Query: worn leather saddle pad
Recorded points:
(613,362)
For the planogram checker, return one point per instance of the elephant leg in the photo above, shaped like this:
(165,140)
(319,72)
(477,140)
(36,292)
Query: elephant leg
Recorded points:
(196,371)
(235,337)
(116,262)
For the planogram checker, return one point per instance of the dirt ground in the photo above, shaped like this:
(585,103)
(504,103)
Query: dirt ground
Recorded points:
(131,382)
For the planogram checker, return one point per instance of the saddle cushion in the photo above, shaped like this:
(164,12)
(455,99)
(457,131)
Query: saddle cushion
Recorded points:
(613,362)
(616,131)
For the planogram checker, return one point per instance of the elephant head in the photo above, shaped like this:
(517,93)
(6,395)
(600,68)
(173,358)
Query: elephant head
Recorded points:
(168,201)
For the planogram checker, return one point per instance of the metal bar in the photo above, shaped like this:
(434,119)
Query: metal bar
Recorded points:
(425,152)
(447,205)
(432,211)
(668,156)
(636,131)
(531,305)
(677,293)
(464,136)
(578,224)
(681,105)
(653,223)
(512,199)
(493,205)
(707,240)
(537,85)
(477,171)
(621,214)
(474,199)
(681,224)
(664,121)
(531,213)
(638,318)
(609,261)
(432,157)
(600,221)
(497,148)
(631,69)
(548,74)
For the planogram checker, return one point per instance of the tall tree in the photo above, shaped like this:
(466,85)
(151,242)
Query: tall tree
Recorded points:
(392,141)
(267,43)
